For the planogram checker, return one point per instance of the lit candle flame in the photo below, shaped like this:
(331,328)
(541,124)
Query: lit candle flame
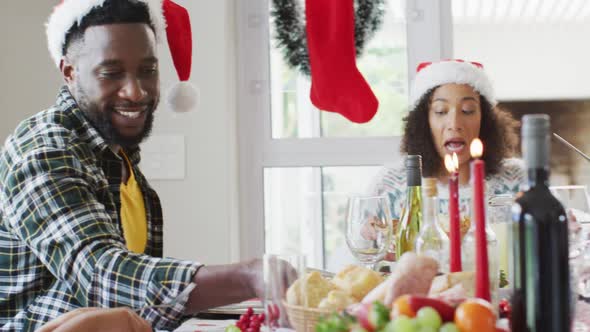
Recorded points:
(452,163)
(476,148)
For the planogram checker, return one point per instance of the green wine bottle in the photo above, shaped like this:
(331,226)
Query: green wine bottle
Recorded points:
(411,216)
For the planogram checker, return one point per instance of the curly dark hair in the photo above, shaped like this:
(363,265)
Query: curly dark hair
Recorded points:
(498,133)
(111,12)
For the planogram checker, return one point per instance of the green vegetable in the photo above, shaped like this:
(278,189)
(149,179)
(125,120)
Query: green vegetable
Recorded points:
(378,316)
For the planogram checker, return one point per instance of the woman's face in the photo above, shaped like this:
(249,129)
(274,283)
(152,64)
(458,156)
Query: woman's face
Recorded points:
(454,117)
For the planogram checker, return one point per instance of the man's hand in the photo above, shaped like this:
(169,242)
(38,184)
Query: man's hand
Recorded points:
(98,320)
(219,285)
(282,276)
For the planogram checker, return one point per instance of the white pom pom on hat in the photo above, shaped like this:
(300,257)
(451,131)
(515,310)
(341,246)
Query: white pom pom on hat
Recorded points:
(432,74)
(166,16)
(183,96)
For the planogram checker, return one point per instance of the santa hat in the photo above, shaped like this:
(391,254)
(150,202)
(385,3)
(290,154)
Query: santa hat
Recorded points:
(167,18)
(429,75)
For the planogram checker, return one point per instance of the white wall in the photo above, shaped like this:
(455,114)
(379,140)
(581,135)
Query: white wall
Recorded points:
(200,210)
(541,61)
(28,79)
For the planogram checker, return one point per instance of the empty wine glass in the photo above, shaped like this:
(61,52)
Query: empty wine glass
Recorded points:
(368,228)
(575,200)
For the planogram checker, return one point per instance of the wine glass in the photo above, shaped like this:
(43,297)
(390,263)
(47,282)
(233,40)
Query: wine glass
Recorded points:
(280,271)
(575,200)
(368,228)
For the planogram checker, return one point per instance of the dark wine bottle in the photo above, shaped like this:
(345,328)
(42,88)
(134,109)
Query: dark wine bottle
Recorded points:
(541,300)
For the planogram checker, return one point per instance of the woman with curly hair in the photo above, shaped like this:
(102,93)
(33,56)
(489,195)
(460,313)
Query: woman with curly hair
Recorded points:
(452,102)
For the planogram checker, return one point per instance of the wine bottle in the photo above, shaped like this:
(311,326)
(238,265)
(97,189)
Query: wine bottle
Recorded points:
(411,216)
(432,240)
(541,299)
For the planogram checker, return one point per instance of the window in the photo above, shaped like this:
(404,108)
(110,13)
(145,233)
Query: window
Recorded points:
(384,66)
(297,164)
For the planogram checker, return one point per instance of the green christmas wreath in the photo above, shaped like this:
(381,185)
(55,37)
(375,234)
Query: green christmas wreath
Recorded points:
(289,25)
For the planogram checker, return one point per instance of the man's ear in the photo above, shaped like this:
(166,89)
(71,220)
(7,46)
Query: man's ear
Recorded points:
(67,70)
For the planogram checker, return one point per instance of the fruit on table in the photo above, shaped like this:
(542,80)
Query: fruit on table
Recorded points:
(428,317)
(357,328)
(401,307)
(449,327)
(409,305)
(407,324)
(232,328)
(427,329)
(361,312)
(475,315)
(248,322)
(401,324)
(338,323)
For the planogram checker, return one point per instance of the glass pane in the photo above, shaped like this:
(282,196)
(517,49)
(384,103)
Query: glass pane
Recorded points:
(384,66)
(292,212)
(305,209)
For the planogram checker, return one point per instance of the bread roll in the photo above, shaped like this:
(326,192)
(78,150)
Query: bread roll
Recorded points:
(309,291)
(357,280)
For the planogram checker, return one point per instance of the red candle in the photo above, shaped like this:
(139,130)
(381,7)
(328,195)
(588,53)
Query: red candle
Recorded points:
(482,276)
(452,165)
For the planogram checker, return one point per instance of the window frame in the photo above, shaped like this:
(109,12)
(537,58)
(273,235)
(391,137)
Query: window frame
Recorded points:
(429,36)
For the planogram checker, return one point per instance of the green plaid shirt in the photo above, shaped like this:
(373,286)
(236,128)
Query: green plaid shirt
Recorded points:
(61,242)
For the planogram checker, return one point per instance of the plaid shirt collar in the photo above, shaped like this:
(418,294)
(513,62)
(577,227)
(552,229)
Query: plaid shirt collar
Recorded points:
(98,144)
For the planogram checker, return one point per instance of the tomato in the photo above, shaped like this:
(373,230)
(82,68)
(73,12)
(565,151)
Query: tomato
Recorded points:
(401,306)
(475,315)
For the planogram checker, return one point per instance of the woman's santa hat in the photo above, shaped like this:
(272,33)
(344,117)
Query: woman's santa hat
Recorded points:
(429,75)
(166,17)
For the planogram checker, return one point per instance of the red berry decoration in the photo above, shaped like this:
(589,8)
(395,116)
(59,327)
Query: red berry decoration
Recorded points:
(505,309)
(250,322)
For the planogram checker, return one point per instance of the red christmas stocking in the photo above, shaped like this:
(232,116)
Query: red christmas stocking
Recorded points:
(336,83)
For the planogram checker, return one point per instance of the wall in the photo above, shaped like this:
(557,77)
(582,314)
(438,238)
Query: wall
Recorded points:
(200,208)
(570,120)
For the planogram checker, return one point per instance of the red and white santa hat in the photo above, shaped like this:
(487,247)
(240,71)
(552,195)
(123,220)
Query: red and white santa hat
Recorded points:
(432,74)
(167,18)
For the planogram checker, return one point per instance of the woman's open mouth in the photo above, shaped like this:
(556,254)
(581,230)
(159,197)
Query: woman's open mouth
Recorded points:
(455,145)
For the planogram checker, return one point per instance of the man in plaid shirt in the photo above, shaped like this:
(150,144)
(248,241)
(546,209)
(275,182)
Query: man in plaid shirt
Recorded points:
(62,244)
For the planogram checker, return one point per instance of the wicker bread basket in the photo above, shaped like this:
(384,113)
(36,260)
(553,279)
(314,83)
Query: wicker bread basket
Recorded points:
(304,319)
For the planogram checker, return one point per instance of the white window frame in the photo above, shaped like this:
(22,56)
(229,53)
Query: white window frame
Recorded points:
(429,36)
